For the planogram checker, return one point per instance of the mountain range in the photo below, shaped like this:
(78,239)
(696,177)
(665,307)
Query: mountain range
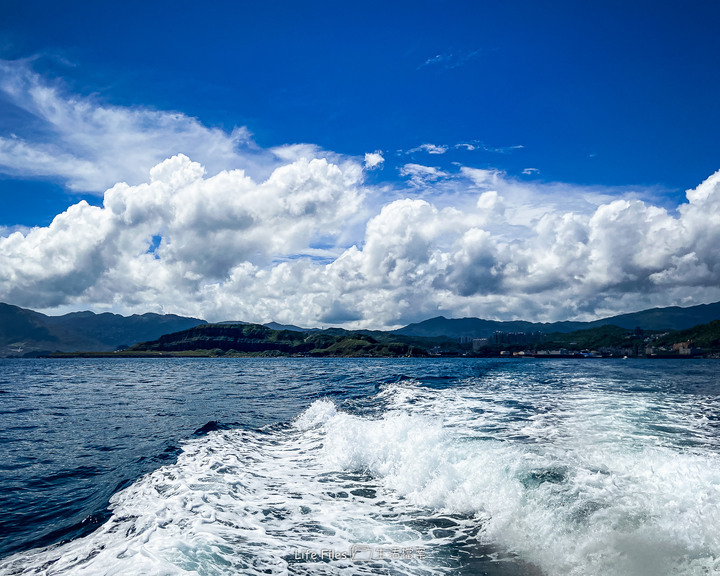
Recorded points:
(670,318)
(25,332)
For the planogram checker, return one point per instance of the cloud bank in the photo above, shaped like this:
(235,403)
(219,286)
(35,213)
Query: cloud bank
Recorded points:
(199,221)
(305,245)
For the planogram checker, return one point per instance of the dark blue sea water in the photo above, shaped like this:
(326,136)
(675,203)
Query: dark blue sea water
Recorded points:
(359,466)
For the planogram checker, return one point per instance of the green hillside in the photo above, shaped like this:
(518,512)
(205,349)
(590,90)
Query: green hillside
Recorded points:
(705,336)
(25,332)
(257,340)
(595,338)
(662,319)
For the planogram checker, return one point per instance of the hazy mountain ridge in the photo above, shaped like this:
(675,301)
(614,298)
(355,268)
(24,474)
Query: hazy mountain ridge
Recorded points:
(670,318)
(26,332)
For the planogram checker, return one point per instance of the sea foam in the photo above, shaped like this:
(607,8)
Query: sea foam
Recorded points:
(585,483)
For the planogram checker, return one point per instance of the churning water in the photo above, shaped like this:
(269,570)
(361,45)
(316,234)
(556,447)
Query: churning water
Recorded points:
(312,466)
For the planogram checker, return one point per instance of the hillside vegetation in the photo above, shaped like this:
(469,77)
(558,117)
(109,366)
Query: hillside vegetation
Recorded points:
(28,333)
(254,339)
(706,336)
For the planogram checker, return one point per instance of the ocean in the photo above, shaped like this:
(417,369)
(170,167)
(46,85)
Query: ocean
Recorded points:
(359,466)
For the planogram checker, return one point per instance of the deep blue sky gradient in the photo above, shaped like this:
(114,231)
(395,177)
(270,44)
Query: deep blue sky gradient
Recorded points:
(607,93)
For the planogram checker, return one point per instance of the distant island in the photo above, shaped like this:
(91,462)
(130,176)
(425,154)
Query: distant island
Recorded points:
(672,332)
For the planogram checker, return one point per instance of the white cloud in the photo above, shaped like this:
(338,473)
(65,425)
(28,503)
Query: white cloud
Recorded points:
(7,230)
(373,159)
(208,227)
(233,247)
(429,148)
(504,149)
(481,177)
(451,60)
(437,59)
(90,145)
(530,171)
(422,175)
(480,146)
(293,234)
(491,204)
(434,149)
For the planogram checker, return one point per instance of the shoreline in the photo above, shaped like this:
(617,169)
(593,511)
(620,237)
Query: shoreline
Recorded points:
(209,354)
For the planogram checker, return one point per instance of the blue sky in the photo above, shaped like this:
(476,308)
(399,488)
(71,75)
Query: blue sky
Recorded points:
(560,99)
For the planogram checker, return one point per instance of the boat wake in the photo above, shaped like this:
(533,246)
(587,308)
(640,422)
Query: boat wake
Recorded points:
(457,480)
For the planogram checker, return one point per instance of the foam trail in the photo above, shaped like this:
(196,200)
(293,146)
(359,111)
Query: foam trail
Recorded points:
(250,503)
(590,484)
(583,483)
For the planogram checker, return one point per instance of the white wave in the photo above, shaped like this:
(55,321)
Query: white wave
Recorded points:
(587,489)
(317,413)
(585,483)
(248,503)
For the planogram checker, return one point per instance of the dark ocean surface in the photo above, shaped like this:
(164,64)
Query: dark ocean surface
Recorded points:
(359,466)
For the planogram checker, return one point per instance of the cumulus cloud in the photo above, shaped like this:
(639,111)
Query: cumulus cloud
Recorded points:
(226,246)
(90,146)
(204,227)
(198,221)
(373,159)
